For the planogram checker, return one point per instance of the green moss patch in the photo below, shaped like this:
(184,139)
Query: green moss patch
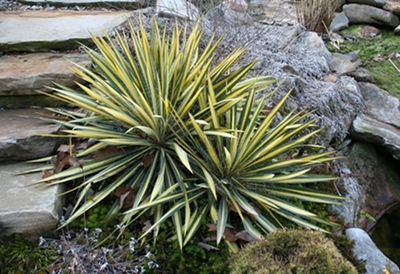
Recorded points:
(378,55)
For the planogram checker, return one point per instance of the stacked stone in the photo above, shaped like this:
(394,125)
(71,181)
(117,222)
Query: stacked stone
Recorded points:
(376,12)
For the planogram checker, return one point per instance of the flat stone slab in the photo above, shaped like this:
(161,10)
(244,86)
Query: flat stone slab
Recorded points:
(371,130)
(26,209)
(18,135)
(24,74)
(126,4)
(34,31)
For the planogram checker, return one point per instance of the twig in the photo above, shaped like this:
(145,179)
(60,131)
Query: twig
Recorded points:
(394,65)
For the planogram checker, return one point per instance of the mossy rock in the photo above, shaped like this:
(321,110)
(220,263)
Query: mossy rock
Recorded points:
(291,251)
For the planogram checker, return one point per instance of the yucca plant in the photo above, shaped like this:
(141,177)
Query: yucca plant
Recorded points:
(177,129)
(256,172)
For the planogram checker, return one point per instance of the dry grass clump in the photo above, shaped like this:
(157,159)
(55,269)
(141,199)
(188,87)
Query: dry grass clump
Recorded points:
(315,14)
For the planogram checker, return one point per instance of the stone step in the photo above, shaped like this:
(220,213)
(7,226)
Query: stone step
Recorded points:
(125,4)
(34,31)
(19,132)
(29,209)
(22,75)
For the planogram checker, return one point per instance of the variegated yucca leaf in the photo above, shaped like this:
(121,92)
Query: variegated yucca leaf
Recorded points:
(207,144)
(252,171)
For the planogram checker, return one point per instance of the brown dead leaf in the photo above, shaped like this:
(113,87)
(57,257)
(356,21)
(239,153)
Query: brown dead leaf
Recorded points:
(126,195)
(147,225)
(332,218)
(230,235)
(106,151)
(67,149)
(64,160)
(73,162)
(231,207)
(211,227)
(147,159)
(245,236)
(46,174)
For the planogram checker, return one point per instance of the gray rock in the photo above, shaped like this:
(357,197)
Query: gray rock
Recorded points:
(303,62)
(375,3)
(377,176)
(362,75)
(365,249)
(18,135)
(359,14)
(343,64)
(339,22)
(238,5)
(348,210)
(393,7)
(24,208)
(222,16)
(177,8)
(25,31)
(367,129)
(26,73)
(397,29)
(369,32)
(380,105)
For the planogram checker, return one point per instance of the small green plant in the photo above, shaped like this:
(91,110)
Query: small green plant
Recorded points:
(172,260)
(291,251)
(179,138)
(19,255)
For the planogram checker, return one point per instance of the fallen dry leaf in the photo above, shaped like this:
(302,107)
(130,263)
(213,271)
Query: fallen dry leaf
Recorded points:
(46,174)
(106,151)
(245,236)
(64,160)
(211,227)
(147,226)
(126,195)
(207,246)
(66,148)
(230,235)
(147,159)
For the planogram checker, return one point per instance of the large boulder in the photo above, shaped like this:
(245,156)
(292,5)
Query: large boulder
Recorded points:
(359,14)
(375,3)
(365,250)
(299,60)
(373,185)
